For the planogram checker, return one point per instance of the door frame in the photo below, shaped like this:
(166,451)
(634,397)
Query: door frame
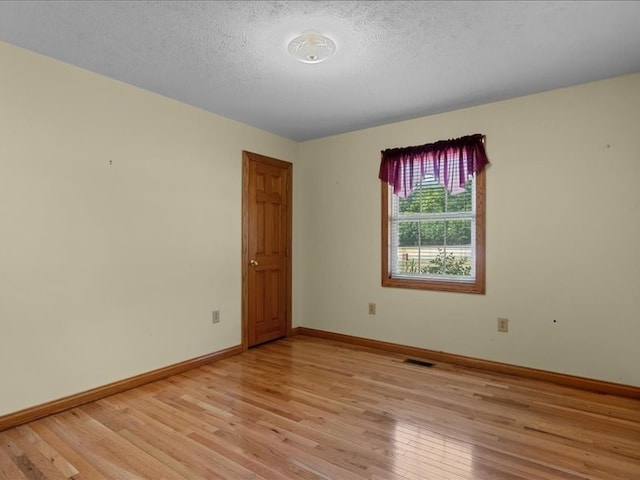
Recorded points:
(246,157)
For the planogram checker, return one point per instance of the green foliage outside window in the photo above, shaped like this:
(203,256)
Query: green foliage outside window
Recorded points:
(433,198)
(443,264)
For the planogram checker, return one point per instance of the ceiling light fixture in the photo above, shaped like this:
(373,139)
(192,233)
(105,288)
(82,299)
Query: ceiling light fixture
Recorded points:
(312,47)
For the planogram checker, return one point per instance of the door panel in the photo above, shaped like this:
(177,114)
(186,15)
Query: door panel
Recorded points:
(266,247)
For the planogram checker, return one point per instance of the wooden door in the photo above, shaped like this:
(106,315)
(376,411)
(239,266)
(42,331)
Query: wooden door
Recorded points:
(266,248)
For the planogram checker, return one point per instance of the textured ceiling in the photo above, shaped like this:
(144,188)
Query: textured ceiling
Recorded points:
(395,60)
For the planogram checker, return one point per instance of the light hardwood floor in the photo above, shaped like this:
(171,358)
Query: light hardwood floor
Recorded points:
(308,408)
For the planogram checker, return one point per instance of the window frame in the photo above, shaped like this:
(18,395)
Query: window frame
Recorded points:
(478,286)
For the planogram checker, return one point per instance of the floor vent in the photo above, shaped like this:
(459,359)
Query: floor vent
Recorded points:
(421,363)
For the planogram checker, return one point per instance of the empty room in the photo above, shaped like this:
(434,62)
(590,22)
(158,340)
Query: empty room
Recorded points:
(319,240)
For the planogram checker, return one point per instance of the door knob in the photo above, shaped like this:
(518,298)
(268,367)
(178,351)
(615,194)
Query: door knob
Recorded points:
(253,263)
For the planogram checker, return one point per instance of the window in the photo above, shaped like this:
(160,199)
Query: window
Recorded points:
(432,236)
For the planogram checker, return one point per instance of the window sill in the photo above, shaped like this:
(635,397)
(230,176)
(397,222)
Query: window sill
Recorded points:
(456,287)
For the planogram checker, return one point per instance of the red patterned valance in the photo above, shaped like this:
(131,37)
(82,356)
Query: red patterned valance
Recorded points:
(450,162)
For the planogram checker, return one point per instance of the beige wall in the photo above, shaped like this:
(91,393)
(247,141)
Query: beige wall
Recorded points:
(110,270)
(563,231)
(107,271)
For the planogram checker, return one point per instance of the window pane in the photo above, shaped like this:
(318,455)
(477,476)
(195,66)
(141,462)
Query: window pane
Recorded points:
(462,202)
(408,239)
(432,196)
(458,261)
(440,247)
(408,234)
(458,232)
(431,236)
(432,232)
(455,257)
(411,204)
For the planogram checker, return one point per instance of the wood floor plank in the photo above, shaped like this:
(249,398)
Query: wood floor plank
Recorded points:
(30,460)
(9,469)
(46,454)
(74,456)
(312,409)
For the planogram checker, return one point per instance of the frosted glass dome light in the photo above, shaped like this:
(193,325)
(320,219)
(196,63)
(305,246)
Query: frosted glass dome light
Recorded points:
(312,47)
